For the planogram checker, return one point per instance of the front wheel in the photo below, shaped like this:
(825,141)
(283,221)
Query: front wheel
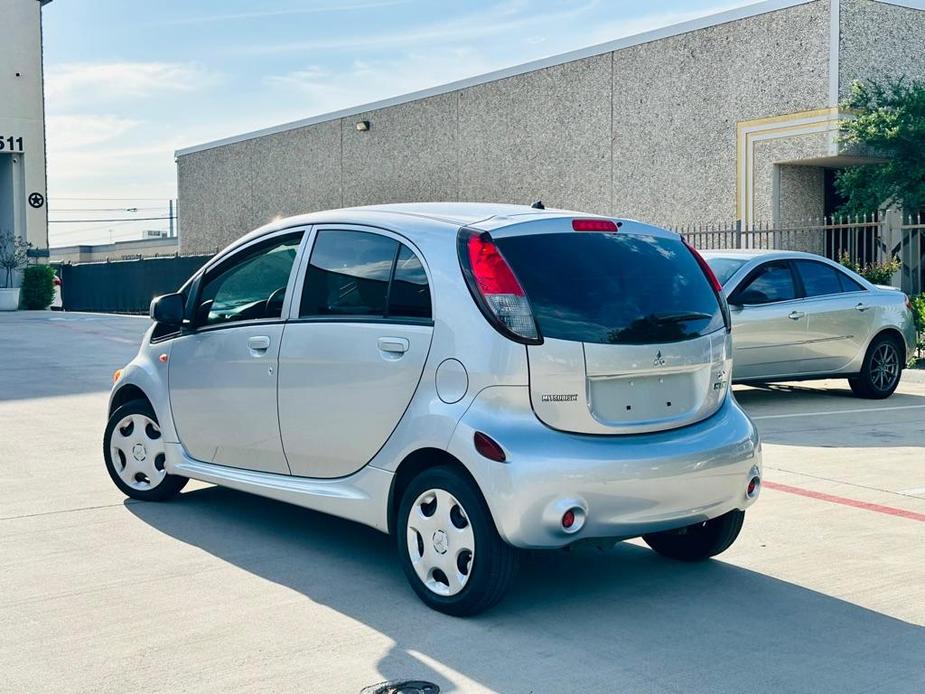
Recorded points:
(449,548)
(698,541)
(881,370)
(134,452)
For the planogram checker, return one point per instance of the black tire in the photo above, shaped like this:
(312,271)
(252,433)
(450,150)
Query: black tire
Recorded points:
(168,487)
(882,369)
(698,541)
(493,563)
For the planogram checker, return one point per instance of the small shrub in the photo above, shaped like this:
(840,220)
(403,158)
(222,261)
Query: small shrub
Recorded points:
(875,273)
(38,287)
(918,314)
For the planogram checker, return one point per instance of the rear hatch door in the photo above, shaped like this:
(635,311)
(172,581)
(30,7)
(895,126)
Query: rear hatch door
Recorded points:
(634,336)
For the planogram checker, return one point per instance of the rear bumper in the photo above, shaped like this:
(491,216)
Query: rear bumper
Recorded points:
(626,486)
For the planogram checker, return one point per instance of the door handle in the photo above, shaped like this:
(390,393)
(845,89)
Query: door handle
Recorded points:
(796,315)
(862,307)
(258,344)
(393,345)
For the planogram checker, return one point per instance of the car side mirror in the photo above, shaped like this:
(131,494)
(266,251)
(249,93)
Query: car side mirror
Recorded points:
(168,309)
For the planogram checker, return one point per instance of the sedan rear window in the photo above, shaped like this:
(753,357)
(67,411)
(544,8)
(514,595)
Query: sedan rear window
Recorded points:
(613,288)
(724,268)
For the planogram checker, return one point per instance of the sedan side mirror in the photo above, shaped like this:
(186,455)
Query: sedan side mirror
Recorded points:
(168,309)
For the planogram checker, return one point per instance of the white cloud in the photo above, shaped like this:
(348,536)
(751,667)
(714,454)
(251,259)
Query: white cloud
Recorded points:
(70,132)
(67,84)
(500,20)
(367,81)
(285,12)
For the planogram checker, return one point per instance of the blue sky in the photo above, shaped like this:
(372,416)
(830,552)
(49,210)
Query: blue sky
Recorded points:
(127,83)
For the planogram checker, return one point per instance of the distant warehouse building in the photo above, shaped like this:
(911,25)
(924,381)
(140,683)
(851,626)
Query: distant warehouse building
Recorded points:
(729,117)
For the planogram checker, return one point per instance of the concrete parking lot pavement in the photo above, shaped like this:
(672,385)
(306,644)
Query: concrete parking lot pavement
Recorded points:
(219,591)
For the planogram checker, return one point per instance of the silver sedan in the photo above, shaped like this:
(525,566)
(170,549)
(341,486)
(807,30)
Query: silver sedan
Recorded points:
(800,316)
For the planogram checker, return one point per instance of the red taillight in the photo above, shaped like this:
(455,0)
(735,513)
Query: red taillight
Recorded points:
(908,302)
(594,225)
(707,270)
(495,287)
(488,447)
(490,270)
(568,519)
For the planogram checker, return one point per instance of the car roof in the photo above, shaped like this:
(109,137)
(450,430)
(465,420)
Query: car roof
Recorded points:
(418,219)
(758,253)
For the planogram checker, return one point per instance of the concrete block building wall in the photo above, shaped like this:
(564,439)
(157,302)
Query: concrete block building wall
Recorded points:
(702,123)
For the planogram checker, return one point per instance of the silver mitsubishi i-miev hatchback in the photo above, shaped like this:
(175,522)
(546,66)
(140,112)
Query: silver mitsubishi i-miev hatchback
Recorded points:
(470,378)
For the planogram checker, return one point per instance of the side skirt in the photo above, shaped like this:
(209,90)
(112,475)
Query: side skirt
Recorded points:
(361,497)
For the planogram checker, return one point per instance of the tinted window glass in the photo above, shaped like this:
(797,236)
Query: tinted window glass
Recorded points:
(409,296)
(819,279)
(252,287)
(849,284)
(348,274)
(724,268)
(772,282)
(613,288)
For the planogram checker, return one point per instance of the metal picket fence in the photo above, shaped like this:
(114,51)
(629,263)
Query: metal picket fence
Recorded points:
(860,238)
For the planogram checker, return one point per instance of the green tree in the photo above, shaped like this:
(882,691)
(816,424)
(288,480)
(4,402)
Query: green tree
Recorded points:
(889,122)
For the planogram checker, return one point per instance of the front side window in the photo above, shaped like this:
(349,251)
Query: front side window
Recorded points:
(772,282)
(251,287)
(358,273)
(819,279)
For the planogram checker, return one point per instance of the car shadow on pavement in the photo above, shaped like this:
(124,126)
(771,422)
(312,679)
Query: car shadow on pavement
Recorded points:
(584,620)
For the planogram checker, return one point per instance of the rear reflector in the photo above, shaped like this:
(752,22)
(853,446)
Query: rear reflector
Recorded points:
(594,225)
(495,287)
(488,447)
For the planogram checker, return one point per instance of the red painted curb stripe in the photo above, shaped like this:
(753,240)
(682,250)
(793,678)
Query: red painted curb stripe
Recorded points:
(888,510)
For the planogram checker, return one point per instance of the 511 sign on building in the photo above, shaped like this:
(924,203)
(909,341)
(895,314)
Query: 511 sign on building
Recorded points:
(11,143)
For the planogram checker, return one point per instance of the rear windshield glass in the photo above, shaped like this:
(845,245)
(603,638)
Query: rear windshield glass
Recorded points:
(613,288)
(724,268)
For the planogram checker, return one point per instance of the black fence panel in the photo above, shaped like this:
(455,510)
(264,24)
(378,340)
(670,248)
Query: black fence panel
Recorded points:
(124,286)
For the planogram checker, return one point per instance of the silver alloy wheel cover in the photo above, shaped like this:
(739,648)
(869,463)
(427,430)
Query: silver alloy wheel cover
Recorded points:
(137,464)
(445,546)
(884,366)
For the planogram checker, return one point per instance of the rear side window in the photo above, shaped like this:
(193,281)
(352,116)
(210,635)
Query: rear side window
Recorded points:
(613,288)
(770,283)
(357,273)
(819,279)
(409,295)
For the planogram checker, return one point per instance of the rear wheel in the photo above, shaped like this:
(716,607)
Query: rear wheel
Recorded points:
(134,451)
(700,540)
(450,551)
(881,371)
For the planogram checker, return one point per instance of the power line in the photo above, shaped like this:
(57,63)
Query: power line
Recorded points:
(102,209)
(80,197)
(121,219)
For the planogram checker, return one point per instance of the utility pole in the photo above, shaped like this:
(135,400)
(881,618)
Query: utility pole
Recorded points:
(171,219)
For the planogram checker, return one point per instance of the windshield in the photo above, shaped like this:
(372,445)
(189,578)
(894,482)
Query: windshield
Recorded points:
(613,288)
(724,268)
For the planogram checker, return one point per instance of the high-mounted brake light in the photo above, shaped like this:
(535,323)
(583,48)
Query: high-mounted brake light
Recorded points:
(495,287)
(594,225)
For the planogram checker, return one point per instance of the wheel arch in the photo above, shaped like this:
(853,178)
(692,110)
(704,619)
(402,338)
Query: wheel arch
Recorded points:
(125,394)
(411,466)
(894,334)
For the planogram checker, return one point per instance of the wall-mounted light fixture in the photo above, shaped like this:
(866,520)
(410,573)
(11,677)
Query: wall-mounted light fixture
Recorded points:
(362,125)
